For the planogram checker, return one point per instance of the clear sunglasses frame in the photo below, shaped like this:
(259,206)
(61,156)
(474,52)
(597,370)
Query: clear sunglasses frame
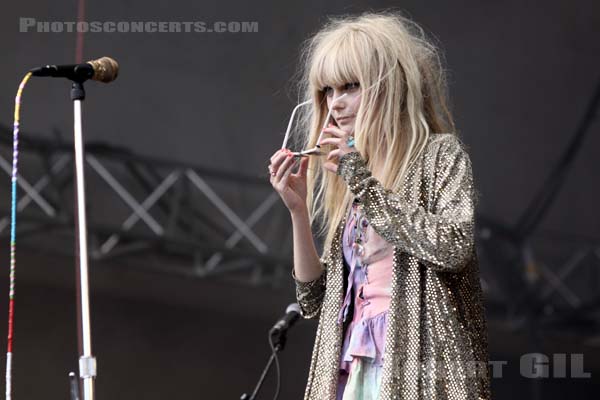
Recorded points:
(317,149)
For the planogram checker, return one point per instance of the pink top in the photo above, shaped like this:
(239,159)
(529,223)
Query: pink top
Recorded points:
(370,259)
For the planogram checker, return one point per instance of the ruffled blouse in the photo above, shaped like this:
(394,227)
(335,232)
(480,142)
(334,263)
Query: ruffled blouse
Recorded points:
(369,259)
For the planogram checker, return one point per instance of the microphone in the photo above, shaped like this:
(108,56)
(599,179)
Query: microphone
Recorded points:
(104,69)
(292,313)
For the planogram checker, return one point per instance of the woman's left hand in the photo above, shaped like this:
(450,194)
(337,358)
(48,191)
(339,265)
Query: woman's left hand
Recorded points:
(340,140)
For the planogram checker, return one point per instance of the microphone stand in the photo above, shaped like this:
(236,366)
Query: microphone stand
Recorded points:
(87,362)
(278,345)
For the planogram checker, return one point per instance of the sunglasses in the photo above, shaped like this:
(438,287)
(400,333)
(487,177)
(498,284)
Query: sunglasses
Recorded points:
(317,149)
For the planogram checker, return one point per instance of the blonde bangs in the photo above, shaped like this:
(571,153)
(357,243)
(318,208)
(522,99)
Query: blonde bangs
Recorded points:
(336,63)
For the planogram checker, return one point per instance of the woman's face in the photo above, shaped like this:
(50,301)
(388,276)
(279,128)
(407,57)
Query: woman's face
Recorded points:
(345,109)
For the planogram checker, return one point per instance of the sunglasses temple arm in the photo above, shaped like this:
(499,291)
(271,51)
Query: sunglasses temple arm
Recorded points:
(289,127)
(327,118)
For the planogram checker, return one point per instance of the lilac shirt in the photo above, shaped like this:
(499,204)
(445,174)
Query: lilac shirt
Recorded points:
(369,287)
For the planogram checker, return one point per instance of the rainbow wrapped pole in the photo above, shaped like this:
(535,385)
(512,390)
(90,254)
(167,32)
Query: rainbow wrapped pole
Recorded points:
(13,230)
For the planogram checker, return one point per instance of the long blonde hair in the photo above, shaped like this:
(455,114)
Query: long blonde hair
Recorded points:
(403,100)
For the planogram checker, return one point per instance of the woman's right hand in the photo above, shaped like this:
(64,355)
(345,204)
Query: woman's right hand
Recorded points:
(291,187)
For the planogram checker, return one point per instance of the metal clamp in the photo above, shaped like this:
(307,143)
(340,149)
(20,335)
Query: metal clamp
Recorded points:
(87,367)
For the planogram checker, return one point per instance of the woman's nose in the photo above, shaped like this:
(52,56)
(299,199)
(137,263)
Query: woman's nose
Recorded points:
(338,103)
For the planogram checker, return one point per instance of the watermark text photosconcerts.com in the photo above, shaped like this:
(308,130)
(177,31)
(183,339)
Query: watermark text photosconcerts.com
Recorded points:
(33,25)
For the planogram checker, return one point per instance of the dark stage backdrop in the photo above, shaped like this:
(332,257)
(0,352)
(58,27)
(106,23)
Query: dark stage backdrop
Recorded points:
(521,74)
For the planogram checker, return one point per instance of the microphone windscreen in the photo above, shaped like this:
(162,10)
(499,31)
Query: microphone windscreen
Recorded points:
(105,69)
(294,307)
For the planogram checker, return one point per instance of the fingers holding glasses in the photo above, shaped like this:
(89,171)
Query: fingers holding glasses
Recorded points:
(343,143)
(277,162)
(284,168)
(339,138)
(277,154)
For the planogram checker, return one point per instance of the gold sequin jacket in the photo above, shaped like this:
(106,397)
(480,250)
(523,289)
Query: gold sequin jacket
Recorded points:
(436,337)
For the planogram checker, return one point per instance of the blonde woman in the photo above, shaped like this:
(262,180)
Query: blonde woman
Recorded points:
(397,289)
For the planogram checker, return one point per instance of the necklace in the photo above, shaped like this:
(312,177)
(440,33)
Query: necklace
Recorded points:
(357,234)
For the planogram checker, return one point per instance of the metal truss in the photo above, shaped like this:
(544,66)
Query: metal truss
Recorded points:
(164,215)
(549,282)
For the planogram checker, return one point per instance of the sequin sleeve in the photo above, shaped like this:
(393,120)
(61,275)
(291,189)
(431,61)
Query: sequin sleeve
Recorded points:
(310,294)
(442,234)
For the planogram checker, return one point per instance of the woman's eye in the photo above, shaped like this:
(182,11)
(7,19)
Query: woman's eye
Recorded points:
(348,87)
